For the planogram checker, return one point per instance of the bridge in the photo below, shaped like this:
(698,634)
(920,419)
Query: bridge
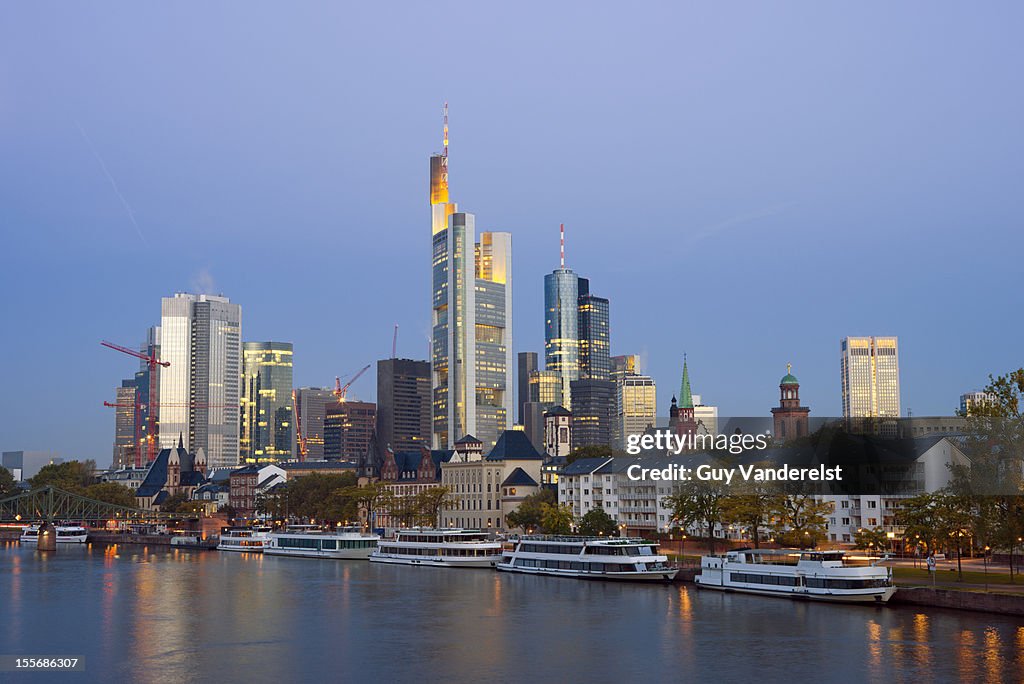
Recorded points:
(52,504)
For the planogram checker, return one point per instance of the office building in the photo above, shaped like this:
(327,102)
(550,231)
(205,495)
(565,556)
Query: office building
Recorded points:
(561,334)
(471,349)
(126,445)
(200,391)
(635,407)
(348,429)
(593,412)
(623,365)
(268,432)
(310,411)
(870,375)
(972,401)
(533,423)
(27,464)
(592,327)
(526,365)
(403,404)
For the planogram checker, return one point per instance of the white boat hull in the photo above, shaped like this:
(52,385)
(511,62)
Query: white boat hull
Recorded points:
(437,562)
(345,554)
(636,576)
(881,596)
(240,549)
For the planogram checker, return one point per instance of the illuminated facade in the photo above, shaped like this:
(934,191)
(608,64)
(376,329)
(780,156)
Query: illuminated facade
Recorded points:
(310,410)
(200,392)
(348,429)
(561,332)
(870,372)
(636,406)
(471,301)
(592,327)
(124,425)
(267,413)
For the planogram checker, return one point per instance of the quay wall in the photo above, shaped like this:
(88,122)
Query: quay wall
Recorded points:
(1001,604)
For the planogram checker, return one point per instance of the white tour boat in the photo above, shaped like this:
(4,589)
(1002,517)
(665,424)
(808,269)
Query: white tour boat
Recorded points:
(248,539)
(603,558)
(310,541)
(66,534)
(816,575)
(439,548)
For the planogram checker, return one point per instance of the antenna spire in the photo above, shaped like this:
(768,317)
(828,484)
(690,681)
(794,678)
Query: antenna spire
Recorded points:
(561,228)
(445,153)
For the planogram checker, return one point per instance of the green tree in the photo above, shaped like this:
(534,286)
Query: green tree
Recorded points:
(171,503)
(71,476)
(590,451)
(528,516)
(317,496)
(697,503)
(371,498)
(597,522)
(800,520)
(430,502)
(8,486)
(112,493)
(870,539)
(752,507)
(556,519)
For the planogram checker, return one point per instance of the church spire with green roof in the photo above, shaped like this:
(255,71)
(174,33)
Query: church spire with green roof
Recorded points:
(685,396)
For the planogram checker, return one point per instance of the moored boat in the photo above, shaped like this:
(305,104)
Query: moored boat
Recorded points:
(813,575)
(247,539)
(66,534)
(442,548)
(602,558)
(310,541)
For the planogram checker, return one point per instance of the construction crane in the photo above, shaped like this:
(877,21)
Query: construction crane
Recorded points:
(299,439)
(341,392)
(152,363)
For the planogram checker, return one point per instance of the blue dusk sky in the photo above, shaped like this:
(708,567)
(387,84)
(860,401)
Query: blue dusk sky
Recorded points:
(747,183)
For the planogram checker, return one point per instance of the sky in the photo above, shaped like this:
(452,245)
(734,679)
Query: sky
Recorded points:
(747,184)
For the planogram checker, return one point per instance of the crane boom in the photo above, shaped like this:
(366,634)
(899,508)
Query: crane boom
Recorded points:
(152,363)
(342,391)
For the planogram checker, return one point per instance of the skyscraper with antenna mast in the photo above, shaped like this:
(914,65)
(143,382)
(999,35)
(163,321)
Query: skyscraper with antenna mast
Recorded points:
(471,301)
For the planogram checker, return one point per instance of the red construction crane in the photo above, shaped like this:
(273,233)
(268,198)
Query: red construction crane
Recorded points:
(339,391)
(299,439)
(152,363)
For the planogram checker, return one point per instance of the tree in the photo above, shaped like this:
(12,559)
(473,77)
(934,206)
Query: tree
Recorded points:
(870,540)
(596,522)
(371,498)
(697,503)
(112,493)
(557,519)
(430,502)
(528,516)
(800,520)
(71,476)
(751,507)
(589,451)
(8,486)
(171,503)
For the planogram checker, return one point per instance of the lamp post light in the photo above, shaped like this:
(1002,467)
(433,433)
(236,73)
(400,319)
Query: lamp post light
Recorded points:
(984,559)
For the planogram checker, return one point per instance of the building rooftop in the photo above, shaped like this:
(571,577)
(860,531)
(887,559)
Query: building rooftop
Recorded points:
(519,478)
(513,445)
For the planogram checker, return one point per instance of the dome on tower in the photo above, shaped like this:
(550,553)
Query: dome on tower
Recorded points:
(789,378)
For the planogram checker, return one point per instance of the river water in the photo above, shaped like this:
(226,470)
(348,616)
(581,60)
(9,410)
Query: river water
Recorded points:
(160,615)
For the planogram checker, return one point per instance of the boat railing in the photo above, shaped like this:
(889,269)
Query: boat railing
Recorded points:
(577,538)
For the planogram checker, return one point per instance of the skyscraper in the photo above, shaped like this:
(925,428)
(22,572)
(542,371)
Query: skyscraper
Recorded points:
(200,392)
(592,326)
(310,411)
(471,350)
(348,428)
(870,373)
(403,404)
(527,364)
(267,413)
(561,332)
(636,406)
(593,404)
(125,415)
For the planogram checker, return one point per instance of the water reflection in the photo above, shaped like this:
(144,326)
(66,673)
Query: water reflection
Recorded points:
(153,614)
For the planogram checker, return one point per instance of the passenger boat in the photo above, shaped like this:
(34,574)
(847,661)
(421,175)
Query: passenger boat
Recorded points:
(248,539)
(310,541)
(815,575)
(601,558)
(66,534)
(443,548)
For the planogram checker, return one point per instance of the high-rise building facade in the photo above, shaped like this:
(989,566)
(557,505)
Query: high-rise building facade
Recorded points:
(593,412)
(594,342)
(971,402)
(623,365)
(125,434)
(403,404)
(200,391)
(870,372)
(561,334)
(268,432)
(310,411)
(348,429)
(471,349)
(527,363)
(636,407)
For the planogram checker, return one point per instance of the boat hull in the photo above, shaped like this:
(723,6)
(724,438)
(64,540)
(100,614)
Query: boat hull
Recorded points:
(347,554)
(878,597)
(645,576)
(436,562)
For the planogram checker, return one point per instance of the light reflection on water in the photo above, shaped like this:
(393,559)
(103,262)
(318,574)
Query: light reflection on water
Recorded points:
(153,614)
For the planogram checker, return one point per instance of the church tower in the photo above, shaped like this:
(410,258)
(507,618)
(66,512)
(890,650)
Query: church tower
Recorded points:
(791,419)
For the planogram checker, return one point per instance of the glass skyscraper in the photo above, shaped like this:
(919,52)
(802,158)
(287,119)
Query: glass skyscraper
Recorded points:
(561,333)
(592,326)
(471,301)
(268,432)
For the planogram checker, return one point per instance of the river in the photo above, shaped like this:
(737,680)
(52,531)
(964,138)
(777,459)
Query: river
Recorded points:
(161,615)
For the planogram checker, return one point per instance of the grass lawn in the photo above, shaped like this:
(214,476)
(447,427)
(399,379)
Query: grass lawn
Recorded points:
(970,577)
